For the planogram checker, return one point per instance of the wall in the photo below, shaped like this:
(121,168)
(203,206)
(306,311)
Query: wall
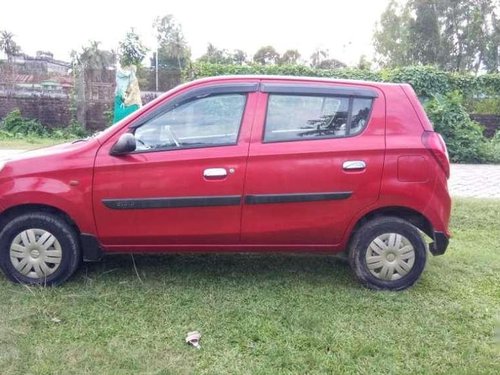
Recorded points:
(51,111)
(491,123)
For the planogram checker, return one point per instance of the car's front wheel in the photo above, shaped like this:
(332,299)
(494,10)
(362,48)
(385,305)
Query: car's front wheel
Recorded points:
(388,253)
(39,248)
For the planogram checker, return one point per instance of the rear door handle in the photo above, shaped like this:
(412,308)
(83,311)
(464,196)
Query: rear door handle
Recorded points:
(215,172)
(353,165)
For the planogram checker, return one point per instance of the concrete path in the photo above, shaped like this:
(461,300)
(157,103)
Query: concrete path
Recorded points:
(467,180)
(6,153)
(475,180)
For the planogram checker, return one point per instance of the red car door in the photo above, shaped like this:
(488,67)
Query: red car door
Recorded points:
(316,158)
(183,184)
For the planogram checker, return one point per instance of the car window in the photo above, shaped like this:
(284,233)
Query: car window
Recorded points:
(202,122)
(299,117)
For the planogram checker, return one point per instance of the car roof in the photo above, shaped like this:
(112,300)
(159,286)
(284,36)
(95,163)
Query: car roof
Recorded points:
(292,78)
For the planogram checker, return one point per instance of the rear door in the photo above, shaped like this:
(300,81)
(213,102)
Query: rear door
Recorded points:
(316,158)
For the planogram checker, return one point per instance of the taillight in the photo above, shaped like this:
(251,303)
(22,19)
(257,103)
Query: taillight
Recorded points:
(435,144)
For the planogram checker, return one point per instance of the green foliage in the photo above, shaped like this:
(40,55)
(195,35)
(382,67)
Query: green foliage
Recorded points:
(320,59)
(456,35)
(495,146)
(485,106)
(173,51)
(131,49)
(8,45)
(200,70)
(92,57)
(289,57)
(463,136)
(14,125)
(75,129)
(215,55)
(266,55)
(109,116)
(426,81)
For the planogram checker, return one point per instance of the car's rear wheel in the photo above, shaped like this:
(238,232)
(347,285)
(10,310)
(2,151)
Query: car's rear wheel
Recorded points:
(388,253)
(39,248)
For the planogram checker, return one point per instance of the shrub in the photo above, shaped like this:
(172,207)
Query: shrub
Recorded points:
(425,80)
(75,129)
(463,136)
(200,70)
(487,106)
(15,124)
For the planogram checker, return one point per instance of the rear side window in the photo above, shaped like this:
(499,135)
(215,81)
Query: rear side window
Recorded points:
(301,117)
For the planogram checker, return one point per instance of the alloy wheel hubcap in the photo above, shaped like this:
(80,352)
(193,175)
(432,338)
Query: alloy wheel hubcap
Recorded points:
(35,253)
(390,256)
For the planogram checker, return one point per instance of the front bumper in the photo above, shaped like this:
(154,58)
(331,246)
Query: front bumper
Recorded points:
(438,247)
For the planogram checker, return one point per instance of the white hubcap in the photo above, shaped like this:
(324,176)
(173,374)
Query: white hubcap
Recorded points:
(35,253)
(390,256)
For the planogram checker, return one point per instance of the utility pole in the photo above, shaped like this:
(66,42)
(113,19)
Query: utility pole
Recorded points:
(156,66)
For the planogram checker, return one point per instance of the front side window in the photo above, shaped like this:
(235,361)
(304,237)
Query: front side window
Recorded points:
(202,122)
(300,117)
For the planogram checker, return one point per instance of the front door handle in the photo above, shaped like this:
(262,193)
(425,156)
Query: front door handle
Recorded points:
(354,165)
(215,172)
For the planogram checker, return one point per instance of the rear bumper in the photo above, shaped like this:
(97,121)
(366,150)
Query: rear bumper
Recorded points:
(438,247)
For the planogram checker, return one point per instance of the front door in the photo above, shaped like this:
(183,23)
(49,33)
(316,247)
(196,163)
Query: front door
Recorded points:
(184,183)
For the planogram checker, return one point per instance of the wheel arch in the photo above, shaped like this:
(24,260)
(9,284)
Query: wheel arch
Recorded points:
(29,207)
(90,248)
(412,216)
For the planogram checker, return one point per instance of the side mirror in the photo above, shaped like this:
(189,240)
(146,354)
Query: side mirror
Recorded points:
(124,145)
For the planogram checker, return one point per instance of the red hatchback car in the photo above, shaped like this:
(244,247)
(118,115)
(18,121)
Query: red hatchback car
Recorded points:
(245,163)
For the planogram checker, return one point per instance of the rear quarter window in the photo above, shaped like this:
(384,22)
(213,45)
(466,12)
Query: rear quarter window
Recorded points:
(302,117)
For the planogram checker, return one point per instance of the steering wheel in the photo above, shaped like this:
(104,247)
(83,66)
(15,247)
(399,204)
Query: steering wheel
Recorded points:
(147,147)
(172,135)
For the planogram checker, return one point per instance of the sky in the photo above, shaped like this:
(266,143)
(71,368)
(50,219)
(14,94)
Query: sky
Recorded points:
(343,27)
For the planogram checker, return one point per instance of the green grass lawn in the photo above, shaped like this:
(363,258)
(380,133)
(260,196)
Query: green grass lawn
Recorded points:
(30,143)
(290,314)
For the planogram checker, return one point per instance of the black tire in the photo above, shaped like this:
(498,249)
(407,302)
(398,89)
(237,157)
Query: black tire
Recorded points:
(68,249)
(392,277)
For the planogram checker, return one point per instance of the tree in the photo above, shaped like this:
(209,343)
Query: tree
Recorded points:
(90,65)
(364,63)
(466,26)
(317,56)
(492,50)
(131,49)
(331,64)
(92,57)
(290,57)
(456,35)
(266,55)
(391,36)
(239,57)
(214,55)
(8,45)
(424,38)
(320,59)
(173,51)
